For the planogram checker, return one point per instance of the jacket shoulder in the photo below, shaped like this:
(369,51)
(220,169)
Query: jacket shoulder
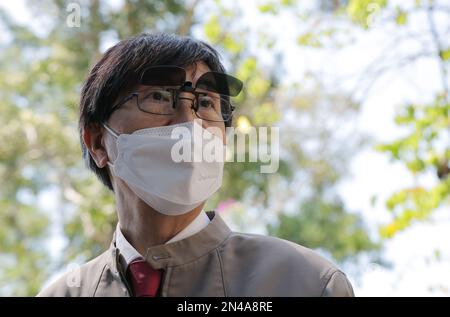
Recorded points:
(80,281)
(286,267)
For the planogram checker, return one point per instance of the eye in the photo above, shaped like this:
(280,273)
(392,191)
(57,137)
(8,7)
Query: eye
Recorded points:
(157,95)
(206,102)
(160,95)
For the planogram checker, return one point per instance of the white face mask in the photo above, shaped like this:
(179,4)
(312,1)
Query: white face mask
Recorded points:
(145,161)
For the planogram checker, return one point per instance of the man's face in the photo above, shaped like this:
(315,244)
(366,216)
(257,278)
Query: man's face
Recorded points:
(129,118)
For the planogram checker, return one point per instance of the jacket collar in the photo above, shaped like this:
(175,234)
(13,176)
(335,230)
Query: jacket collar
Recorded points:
(183,251)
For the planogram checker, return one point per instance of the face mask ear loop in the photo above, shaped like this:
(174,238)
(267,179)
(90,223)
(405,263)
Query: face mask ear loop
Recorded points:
(115,134)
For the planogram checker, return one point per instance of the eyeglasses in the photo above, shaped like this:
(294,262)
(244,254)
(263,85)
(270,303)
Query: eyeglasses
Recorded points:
(163,85)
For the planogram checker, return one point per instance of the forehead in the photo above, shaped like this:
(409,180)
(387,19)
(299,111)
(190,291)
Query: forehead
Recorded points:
(194,71)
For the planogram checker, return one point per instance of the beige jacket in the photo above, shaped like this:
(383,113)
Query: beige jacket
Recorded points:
(214,262)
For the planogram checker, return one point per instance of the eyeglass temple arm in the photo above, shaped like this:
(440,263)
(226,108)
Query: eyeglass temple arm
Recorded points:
(120,103)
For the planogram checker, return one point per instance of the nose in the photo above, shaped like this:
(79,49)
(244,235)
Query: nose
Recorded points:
(184,111)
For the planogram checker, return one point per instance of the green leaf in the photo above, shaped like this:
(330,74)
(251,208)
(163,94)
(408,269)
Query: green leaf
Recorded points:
(309,39)
(212,29)
(364,12)
(401,17)
(267,8)
(445,55)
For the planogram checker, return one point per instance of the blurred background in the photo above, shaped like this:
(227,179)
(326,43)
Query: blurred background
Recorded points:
(358,88)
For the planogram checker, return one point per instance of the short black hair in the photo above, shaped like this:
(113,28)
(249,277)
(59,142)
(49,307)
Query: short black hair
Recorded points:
(119,69)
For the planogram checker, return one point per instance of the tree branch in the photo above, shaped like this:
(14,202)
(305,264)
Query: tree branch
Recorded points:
(439,50)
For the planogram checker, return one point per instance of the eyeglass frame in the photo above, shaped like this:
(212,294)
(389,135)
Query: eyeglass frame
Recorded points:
(187,86)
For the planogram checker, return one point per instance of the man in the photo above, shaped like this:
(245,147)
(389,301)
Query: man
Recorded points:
(140,92)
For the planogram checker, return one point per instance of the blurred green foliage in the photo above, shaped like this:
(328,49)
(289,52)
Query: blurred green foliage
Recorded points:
(425,147)
(308,226)
(363,11)
(423,150)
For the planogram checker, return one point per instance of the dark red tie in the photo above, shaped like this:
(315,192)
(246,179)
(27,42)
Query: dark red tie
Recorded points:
(144,278)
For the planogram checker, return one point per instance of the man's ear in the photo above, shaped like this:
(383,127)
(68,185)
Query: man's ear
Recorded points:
(93,139)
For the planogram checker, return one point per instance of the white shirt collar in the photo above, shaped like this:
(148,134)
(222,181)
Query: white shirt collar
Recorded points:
(130,254)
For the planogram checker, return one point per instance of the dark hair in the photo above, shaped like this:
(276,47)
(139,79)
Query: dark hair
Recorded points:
(119,70)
